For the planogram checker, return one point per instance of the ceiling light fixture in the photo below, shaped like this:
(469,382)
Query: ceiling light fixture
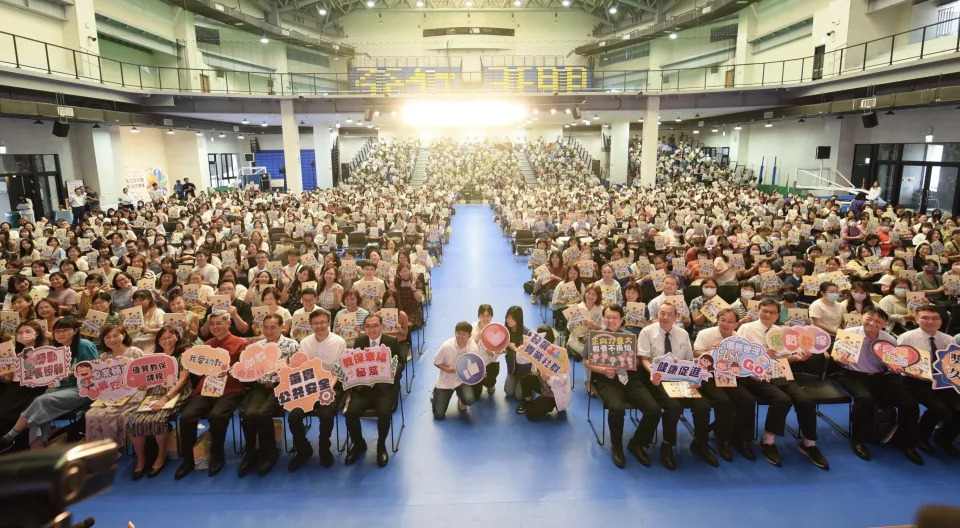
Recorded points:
(840,116)
(264,124)
(38,122)
(170,132)
(696,131)
(239,136)
(199,134)
(322,11)
(222,134)
(678,119)
(553,111)
(370,3)
(595,117)
(802,120)
(673,35)
(134,130)
(714,130)
(891,112)
(349,120)
(768,125)
(612,10)
(517,3)
(420,3)
(738,127)
(264,39)
(244,121)
(96,125)
(565,3)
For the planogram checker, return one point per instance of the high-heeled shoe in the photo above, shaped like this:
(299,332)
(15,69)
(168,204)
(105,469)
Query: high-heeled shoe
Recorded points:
(156,471)
(138,473)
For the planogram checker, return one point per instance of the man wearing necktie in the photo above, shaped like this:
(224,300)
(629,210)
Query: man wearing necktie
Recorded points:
(657,340)
(620,390)
(380,397)
(941,405)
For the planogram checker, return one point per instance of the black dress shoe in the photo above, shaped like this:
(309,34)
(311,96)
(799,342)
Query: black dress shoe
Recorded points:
(666,456)
(913,456)
(246,465)
(814,454)
(383,457)
(326,457)
(947,445)
(216,464)
(618,459)
(639,453)
(924,445)
(138,473)
(185,468)
(746,451)
(298,460)
(861,451)
(704,452)
(725,451)
(156,470)
(268,462)
(771,453)
(356,451)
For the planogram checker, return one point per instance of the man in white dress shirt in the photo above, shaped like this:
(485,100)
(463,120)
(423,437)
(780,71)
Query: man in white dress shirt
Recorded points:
(657,340)
(780,393)
(328,348)
(941,405)
(448,381)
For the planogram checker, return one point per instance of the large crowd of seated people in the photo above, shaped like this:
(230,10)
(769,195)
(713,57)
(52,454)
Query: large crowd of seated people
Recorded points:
(310,272)
(390,161)
(775,260)
(314,272)
(556,162)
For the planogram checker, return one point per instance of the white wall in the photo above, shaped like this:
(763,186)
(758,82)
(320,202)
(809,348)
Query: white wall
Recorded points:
(401,34)
(592,142)
(21,136)
(793,144)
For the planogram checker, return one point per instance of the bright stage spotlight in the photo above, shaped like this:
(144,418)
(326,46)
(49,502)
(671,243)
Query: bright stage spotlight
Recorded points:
(463,113)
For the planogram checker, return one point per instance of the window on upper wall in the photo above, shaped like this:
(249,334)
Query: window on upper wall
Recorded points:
(636,51)
(207,35)
(721,33)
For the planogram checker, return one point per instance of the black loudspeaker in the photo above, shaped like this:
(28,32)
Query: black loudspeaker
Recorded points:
(368,114)
(823,153)
(61,129)
(576,114)
(869,120)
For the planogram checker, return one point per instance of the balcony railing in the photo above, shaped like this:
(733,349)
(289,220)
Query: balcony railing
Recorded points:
(941,38)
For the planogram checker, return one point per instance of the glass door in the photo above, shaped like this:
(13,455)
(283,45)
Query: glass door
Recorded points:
(942,193)
(912,185)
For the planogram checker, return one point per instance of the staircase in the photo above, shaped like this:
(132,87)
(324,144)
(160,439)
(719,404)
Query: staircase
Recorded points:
(420,168)
(529,176)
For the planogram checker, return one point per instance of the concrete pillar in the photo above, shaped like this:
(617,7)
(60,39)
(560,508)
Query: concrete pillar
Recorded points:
(191,60)
(735,137)
(619,152)
(291,146)
(80,33)
(650,142)
(322,145)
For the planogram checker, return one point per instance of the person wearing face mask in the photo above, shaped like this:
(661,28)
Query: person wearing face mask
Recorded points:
(931,283)
(826,312)
(708,290)
(897,265)
(851,232)
(895,305)
(858,300)
(740,306)
(15,397)
(789,300)
(923,233)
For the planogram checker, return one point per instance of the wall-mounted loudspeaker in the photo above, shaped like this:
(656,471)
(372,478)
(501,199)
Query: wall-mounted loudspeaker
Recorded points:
(869,120)
(61,129)
(823,153)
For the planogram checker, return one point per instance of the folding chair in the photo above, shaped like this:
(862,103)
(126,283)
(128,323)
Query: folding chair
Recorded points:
(690,293)
(395,437)
(523,242)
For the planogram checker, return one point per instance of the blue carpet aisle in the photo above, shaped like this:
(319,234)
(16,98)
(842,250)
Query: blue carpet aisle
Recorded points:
(493,468)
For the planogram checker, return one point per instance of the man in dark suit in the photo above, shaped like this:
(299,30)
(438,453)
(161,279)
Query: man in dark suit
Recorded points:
(379,397)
